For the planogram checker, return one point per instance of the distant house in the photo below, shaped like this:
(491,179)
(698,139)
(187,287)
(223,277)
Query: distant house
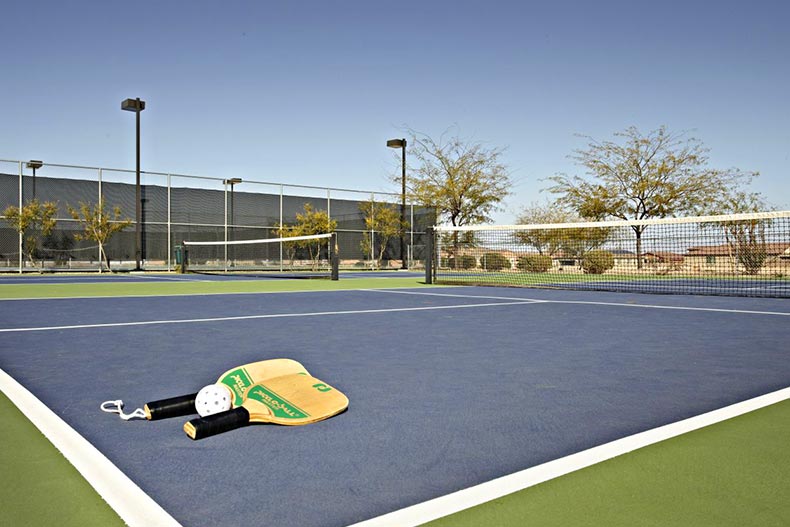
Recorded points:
(663,257)
(725,257)
(781,249)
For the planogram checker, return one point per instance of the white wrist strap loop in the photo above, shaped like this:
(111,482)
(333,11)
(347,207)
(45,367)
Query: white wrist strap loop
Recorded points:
(116,407)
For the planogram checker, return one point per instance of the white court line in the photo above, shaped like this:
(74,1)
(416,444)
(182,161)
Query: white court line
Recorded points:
(677,308)
(586,303)
(463,499)
(424,293)
(171,278)
(134,506)
(255,317)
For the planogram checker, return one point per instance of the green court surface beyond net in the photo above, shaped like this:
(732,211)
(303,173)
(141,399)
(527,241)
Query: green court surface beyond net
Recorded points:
(736,255)
(196,287)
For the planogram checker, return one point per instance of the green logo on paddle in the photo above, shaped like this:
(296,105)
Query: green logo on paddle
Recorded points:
(238,381)
(279,406)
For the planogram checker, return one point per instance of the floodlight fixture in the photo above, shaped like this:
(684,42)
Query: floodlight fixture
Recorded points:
(34,164)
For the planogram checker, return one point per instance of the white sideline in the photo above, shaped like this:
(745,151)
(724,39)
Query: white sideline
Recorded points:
(133,505)
(463,499)
(257,317)
(590,303)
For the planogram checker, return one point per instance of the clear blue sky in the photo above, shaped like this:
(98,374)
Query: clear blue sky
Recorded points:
(309,92)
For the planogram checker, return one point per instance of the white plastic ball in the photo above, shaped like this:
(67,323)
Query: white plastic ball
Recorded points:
(213,399)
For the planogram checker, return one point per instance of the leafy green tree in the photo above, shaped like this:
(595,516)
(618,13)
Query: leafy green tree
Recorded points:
(579,241)
(99,226)
(545,241)
(745,239)
(289,231)
(642,176)
(463,181)
(384,220)
(34,221)
(308,223)
(567,241)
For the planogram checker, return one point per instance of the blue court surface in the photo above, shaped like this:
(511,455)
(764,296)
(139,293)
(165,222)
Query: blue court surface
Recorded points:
(448,387)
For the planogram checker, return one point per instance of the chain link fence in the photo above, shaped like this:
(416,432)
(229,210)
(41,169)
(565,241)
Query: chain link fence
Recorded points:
(178,207)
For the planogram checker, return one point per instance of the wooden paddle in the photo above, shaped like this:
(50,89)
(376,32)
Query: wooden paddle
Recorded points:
(237,380)
(288,400)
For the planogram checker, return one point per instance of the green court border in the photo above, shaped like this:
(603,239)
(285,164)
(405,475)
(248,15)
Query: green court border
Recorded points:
(732,473)
(736,473)
(38,485)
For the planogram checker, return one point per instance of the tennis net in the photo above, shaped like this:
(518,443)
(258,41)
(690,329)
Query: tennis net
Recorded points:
(296,256)
(736,255)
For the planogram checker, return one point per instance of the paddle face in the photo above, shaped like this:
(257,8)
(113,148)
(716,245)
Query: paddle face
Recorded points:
(237,380)
(293,400)
(288,400)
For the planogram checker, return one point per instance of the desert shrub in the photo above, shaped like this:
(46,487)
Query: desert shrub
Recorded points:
(597,262)
(534,263)
(494,262)
(752,257)
(465,261)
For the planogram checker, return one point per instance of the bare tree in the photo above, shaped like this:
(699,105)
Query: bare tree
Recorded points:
(464,181)
(639,177)
(99,226)
(33,221)
(381,219)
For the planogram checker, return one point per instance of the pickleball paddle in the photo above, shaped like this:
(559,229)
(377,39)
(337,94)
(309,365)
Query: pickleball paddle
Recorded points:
(237,380)
(287,400)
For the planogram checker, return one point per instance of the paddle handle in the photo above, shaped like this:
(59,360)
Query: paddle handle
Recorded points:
(217,423)
(172,407)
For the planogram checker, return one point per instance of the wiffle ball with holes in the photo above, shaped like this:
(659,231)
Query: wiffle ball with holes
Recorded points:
(213,399)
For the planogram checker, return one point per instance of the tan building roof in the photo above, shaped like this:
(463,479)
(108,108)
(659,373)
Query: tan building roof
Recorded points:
(771,249)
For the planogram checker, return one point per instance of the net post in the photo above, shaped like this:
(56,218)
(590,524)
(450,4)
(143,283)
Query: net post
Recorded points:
(334,259)
(429,257)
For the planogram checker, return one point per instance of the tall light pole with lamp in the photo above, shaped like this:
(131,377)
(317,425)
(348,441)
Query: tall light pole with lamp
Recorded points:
(401,143)
(136,106)
(34,164)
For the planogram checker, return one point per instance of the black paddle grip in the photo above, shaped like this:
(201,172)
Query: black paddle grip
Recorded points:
(173,407)
(217,423)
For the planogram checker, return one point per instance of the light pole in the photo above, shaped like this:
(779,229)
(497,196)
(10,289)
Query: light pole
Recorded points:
(232,182)
(34,164)
(136,106)
(401,143)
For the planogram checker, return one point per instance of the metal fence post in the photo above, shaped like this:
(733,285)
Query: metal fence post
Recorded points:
(21,236)
(101,207)
(280,234)
(429,256)
(169,227)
